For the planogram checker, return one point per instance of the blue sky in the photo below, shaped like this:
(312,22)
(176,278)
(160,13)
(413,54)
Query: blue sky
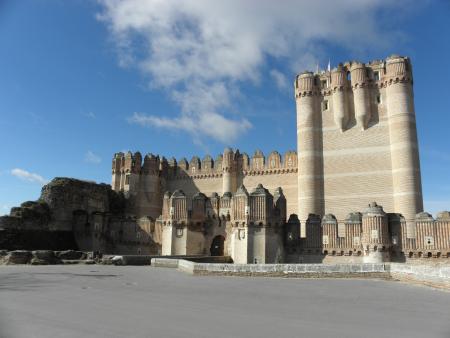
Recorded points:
(81,80)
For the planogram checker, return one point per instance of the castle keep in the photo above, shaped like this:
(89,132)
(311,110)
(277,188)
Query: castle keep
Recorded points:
(350,193)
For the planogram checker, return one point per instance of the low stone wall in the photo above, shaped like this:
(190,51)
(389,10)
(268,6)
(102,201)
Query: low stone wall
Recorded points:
(287,270)
(172,261)
(165,263)
(430,275)
(44,257)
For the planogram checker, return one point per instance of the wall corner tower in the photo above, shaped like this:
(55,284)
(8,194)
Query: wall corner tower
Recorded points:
(407,187)
(309,145)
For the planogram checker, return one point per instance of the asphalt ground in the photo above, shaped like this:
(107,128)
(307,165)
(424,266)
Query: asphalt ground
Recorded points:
(126,301)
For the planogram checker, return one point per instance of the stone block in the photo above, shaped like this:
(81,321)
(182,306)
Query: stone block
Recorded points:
(44,257)
(70,254)
(19,257)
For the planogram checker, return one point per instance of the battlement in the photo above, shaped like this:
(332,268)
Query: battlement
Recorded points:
(230,160)
(354,74)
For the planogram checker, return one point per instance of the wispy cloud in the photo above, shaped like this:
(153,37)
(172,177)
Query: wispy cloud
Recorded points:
(202,52)
(28,176)
(90,115)
(280,79)
(91,157)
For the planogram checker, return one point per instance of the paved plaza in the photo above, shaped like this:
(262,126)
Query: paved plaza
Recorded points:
(110,301)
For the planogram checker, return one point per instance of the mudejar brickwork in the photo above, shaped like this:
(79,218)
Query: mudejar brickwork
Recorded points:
(351,192)
(356,143)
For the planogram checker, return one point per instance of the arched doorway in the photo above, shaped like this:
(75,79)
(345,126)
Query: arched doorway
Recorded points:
(217,246)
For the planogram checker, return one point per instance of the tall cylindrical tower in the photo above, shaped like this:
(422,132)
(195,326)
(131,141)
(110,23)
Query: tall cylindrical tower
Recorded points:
(339,86)
(407,187)
(309,144)
(360,94)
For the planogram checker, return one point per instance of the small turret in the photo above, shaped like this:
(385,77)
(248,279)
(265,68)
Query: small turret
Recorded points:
(218,163)
(258,160)
(151,164)
(240,208)
(339,85)
(207,164)
(199,207)
(261,205)
(166,205)
(361,98)
(398,68)
(194,165)
(183,164)
(173,165)
(229,171)
(306,84)
(245,162)
(164,167)
(178,207)
(274,160)
(375,234)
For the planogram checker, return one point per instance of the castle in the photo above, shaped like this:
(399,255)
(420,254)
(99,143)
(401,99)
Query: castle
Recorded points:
(356,143)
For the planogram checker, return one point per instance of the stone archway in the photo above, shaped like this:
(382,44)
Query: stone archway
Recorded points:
(217,246)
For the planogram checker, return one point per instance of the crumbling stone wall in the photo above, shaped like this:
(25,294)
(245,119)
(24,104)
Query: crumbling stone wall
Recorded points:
(76,214)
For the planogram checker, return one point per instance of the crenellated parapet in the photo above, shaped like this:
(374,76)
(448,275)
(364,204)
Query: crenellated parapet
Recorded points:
(306,84)
(230,161)
(398,69)
(362,81)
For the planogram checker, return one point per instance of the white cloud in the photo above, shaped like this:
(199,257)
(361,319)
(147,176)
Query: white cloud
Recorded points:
(211,124)
(280,79)
(202,51)
(90,157)
(27,176)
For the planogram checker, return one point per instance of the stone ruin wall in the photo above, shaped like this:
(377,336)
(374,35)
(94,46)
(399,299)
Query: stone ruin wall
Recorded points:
(76,214)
